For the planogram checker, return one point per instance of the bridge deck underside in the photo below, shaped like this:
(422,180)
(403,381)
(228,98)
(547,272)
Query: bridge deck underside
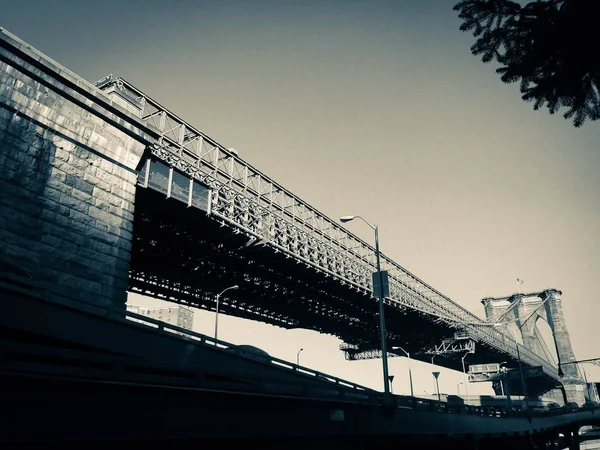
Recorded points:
(182,255)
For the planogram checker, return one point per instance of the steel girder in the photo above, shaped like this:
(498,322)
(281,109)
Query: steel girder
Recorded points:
(453,346)
(180,254)
(594,361)
(183,255)
(352,353)
(260,207)
(449,346)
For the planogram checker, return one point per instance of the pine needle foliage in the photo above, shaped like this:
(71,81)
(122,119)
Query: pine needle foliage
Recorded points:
(551,47)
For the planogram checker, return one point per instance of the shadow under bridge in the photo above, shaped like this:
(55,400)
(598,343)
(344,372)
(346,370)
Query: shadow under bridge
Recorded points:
(186,252)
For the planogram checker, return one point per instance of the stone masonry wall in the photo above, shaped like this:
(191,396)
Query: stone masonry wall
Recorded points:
(67,181)
(528,323)
(572,381)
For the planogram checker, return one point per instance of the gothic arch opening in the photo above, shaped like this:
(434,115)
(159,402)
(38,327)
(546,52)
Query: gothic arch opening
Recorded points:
(513,326)
(546,338)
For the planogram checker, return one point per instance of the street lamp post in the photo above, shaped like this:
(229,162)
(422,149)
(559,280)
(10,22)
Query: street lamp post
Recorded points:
(434,379)
(514,333)
(298,357)
(595,361)
(217,310)
(505,389)
(437,385)
(465,377)
(384,359)
(579,366)
(503,369)
(587,386)
(409,370)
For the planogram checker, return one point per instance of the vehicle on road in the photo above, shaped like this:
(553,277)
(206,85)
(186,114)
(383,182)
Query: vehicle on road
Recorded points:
(251,352)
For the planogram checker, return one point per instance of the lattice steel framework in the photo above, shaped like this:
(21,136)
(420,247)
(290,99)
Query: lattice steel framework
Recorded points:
(452,346)
(594,361)
(354,354)
(251,202)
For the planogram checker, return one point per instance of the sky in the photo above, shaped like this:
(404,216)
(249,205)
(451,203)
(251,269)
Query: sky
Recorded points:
(365,107)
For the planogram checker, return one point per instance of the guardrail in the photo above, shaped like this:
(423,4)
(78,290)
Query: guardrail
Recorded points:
(29,286)
(42,361)
(417,403)
(31,360)
(202,339)
(26,359)
(397,400)
(161,374)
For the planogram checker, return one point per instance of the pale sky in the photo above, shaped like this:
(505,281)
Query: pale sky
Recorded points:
(374,108)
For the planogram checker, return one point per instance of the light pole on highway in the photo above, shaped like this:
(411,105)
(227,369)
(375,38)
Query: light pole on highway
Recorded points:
(502,369)
(384,359)
(465,376)
(434,378)
(514,333)
(217,311)
(412,394)
(298,357)
(587,385)
(437,385)
(595,361)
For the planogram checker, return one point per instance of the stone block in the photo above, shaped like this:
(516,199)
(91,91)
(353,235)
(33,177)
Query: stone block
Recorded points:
(105,196)
(19,252)
(45,250)
(8,237)
(80,184)
(66,206)
(125,214)
(125,245)
(97,234)
(81,216)
(82,197)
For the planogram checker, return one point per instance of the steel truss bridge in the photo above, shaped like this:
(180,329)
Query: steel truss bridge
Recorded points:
(228,223)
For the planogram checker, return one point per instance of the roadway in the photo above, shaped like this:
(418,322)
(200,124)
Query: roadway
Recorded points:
(83,375)
(66,410)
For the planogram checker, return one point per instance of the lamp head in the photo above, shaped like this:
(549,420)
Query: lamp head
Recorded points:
(234,287)
(345,219)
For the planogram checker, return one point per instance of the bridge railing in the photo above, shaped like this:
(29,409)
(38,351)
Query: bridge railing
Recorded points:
(421,404)
(47,362)
(343,390)
(162,327)
(45,359)
(251,201)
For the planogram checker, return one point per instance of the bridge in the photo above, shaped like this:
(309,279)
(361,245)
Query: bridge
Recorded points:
(104,190)
(78,376)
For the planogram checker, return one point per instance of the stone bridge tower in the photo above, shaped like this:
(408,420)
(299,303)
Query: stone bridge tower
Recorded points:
(525,310)
(69,158)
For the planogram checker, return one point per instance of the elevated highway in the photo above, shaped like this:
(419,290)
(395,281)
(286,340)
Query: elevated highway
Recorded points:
(74,377)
